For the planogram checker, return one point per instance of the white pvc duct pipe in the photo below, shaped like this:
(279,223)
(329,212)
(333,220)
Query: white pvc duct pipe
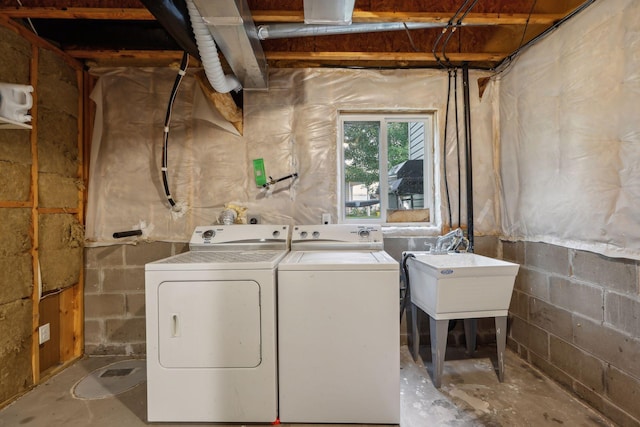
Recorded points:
(209,54)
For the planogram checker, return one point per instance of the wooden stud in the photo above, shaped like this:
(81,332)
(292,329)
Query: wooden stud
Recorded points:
(58,210)
(71,323)
(33,196)
(14,204)
(77,301)
(72,326)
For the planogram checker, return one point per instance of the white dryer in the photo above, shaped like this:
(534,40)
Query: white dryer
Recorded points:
(338,327)
(211,327)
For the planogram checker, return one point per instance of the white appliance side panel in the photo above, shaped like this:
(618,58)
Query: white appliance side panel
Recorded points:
(209,324)
(339,351)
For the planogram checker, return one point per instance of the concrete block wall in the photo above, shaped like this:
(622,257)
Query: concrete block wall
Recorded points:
(576,316)
(114,293)
(114,296)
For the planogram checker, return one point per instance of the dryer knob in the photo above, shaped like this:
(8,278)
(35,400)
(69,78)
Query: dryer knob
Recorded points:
(316,234)
(208,234)
(276,233)
(363,233)
(303,235)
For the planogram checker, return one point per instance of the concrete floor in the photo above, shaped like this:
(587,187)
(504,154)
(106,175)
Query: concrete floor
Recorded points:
(470,396)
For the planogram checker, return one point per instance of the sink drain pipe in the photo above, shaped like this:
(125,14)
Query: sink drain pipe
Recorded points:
(468,156)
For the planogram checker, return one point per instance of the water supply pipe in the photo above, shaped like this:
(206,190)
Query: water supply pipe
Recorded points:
(468,155)
(281,31)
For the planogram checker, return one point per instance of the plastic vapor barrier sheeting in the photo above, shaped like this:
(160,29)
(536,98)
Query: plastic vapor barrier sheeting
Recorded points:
(570,134)
(293,126)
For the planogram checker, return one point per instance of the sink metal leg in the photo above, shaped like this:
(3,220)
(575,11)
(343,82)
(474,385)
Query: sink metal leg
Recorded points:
(470,333)
(439,330)
(501,339)
(415,333)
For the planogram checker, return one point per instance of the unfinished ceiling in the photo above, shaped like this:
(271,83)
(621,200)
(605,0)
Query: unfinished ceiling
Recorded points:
(124,32)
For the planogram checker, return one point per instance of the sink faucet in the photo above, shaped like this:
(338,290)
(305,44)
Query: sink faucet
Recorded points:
(449,242)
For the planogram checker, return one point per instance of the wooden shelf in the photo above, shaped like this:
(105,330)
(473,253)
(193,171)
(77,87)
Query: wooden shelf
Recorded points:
(10,124)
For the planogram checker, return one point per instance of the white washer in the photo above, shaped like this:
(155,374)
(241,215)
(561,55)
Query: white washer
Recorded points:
(211,327)
(338,327)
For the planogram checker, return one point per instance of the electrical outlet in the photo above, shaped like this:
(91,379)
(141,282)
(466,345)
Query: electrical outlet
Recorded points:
(44,333)
(326,218)
(254,219)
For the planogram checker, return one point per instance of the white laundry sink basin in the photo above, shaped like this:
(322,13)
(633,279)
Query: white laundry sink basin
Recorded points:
(461,285)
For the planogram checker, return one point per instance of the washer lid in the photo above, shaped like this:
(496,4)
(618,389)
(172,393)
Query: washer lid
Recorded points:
(338,260)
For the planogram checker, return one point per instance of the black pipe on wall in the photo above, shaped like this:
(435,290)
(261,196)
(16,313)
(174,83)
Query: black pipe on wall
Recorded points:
(174,17)
(468,156)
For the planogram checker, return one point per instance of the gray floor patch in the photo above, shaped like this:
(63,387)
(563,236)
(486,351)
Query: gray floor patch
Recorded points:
(111,380)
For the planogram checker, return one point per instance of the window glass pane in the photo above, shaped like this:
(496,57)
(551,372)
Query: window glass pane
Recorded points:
(405,154)
(361,141)
(387,167)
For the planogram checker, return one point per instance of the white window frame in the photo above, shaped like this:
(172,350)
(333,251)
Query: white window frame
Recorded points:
(429,165)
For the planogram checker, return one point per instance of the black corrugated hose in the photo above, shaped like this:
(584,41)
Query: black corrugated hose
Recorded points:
(165,179)
(405,276)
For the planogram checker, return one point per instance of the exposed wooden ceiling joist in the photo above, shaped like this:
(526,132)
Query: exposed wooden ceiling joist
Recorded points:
(280,16)
(113,31)
(125,14)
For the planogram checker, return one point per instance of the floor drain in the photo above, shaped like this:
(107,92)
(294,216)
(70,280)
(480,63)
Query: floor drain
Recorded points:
(111,380)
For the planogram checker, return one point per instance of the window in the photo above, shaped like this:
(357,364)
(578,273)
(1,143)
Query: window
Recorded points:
(386,172)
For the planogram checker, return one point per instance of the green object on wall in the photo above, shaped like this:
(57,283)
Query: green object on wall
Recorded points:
(259,173)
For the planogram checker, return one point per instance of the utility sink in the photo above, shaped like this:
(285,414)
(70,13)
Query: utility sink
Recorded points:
(458,286)
(461,285)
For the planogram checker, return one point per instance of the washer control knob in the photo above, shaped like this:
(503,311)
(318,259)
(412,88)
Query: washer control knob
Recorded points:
(316,234)
(303,235)
(275,233)
(363,233)
(208,234)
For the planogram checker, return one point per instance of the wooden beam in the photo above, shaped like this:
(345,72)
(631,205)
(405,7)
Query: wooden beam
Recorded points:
(381,56)
(300,59)
(294,56)
(168,55)
(121,14)
(281,16)
(470,19)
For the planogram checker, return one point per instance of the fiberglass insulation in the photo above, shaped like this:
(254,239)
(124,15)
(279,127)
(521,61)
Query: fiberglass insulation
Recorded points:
(292,126)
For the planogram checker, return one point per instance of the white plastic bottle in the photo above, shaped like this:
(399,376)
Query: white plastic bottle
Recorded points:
(15,102)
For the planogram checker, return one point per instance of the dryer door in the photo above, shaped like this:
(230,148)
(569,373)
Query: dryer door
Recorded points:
(209,324)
